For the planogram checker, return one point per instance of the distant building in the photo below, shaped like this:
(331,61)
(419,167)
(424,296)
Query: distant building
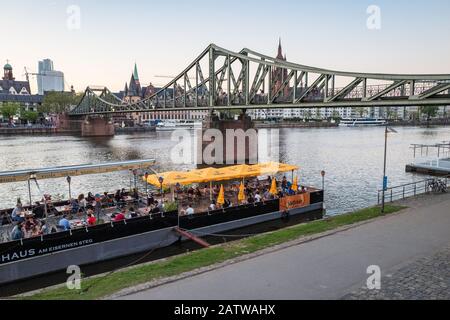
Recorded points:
(48,79)
(12,90)
(134,92)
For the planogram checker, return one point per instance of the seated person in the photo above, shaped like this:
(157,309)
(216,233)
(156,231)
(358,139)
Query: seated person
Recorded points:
(258,197)
(75,206)
(190,193)
(227,204)
(17,233)
(198,193)
(190,211)
(132,213)
(4,219)
(44,228)
(15,215)
(120,216)
(35,231)
(155,208)
(64,223)
(91,219)
(90,197)
(212,206)
(39,211)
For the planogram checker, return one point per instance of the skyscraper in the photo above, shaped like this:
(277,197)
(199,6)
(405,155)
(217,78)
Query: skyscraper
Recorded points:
(48,79)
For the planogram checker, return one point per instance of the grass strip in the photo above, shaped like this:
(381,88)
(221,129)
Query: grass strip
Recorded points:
(106,285)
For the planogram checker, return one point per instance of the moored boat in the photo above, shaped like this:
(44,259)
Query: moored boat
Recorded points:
(361,122)
(25,258)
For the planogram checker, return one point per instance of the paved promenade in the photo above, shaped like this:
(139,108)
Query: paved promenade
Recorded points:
(411,248)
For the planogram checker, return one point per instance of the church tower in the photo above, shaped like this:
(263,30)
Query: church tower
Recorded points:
(280,74)
(8,72)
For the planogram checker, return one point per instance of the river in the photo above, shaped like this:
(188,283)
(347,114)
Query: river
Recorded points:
(351,157)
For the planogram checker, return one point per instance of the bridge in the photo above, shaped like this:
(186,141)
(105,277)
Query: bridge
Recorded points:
(227,80)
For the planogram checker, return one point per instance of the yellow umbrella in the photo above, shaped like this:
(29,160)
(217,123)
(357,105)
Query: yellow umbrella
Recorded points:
(295,184)
(273,188)
(241,196)
(221,198)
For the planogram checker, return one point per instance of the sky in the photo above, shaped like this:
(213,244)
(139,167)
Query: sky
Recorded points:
(100,45)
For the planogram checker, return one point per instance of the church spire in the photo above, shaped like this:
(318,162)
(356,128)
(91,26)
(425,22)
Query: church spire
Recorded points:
(135,73)
(280,50)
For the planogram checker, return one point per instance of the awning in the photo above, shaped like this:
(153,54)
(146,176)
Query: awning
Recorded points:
(173,178)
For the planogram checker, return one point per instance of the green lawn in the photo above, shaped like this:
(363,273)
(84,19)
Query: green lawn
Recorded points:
(99,287)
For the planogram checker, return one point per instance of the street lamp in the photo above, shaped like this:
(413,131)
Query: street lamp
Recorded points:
(146,184)
(323,179)
(385,178)
(32,177)
(69,180)
(161,180)
(135,172)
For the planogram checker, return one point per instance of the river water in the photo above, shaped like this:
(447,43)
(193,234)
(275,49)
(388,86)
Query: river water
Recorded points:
(351,157)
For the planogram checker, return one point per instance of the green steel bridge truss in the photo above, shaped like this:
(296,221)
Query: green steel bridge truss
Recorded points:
(220,79)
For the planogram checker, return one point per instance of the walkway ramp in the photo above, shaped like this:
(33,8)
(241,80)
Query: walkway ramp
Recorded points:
(192,237)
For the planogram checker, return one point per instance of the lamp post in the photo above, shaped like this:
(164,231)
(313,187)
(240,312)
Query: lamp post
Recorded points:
(146,184)
(323,179)
(161,181)
(29,191)
(385,178)
(69,180)
(384,169)
(135,172)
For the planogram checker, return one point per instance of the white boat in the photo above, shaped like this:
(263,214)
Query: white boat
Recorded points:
(173,125)
(362,122)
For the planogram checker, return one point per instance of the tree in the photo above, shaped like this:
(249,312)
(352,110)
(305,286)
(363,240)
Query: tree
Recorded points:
(361,111)
(335,115)
(30,116)
(59,102)
(429,111)
(9,110)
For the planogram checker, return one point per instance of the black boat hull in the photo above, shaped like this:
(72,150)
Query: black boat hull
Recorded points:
(37,256)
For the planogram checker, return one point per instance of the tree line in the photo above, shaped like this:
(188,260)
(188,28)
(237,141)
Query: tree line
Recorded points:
(53,103)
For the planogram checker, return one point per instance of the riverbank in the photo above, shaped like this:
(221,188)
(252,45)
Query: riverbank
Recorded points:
(105,285)
(28,131)
(336,264)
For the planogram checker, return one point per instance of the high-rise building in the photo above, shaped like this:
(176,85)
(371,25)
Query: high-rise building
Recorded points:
(48,79)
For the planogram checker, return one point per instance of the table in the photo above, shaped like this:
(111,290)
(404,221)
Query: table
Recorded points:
(64,209)
(77,223)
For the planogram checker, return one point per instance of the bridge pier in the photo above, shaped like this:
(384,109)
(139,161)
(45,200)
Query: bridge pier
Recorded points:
(232,145)
(97,127)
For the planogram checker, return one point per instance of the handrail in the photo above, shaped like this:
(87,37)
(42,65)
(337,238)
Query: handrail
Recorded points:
(409,189)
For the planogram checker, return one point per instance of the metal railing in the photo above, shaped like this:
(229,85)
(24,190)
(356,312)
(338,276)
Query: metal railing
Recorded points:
(410,189)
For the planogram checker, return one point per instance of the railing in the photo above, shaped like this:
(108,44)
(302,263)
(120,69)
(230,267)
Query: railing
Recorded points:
(410,189)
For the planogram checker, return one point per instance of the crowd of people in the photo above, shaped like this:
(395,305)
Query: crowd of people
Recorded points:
(126,205)
(255,191)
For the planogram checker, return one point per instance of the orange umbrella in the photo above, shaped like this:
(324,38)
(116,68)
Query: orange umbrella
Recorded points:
(273,188)
(295,184)
(221,197)
(241,196)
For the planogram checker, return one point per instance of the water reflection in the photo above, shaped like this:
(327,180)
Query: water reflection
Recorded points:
(352,158)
